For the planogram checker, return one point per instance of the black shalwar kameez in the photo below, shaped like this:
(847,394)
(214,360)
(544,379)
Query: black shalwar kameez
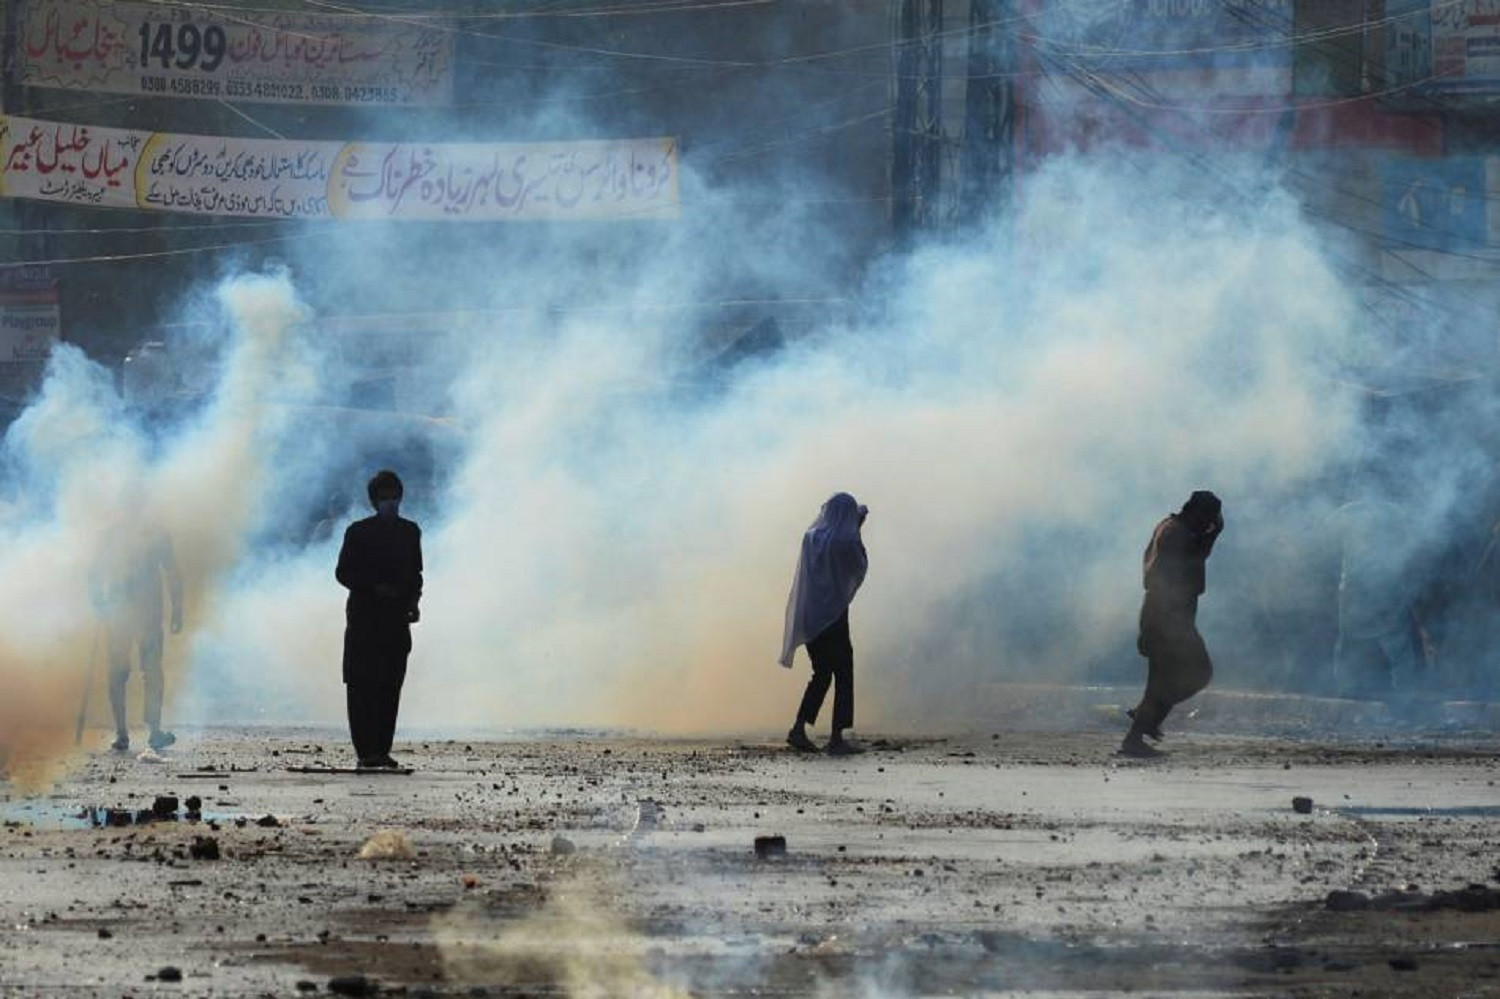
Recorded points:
(381,565)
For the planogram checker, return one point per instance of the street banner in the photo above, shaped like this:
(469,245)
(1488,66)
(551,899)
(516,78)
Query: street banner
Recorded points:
(609,179)
(218,53)
(30,321)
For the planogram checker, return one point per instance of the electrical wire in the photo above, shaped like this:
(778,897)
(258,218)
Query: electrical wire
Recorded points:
(157,254)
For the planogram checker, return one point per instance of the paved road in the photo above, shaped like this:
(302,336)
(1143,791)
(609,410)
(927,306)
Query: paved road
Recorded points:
(1009,864)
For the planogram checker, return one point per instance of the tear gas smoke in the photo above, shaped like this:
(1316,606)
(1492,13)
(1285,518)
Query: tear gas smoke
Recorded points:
(90,488)
(613,539)
(575,941)
(1017,410)
(1018,416)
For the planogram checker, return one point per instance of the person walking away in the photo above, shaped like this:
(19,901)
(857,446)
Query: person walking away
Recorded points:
(830,570)
(135,561)
(1175,575)
(380,563)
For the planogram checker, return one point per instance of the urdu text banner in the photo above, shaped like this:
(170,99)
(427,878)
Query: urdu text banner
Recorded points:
(217,54)
(614,179)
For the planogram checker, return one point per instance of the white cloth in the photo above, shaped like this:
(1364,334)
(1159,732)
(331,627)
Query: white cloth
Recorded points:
(829,572)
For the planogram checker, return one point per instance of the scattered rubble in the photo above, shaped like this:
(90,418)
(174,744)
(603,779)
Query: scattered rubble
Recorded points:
(204,848)
(1346,901)
(770,846)
(387,844)
(353,985)
(1472,898)
(290,906)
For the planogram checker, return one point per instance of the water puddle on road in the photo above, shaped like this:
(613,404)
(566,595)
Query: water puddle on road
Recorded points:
(57,814)
(1448,812)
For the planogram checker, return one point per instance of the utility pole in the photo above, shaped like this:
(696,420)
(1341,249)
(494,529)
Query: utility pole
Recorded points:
(917,138)
(987,171)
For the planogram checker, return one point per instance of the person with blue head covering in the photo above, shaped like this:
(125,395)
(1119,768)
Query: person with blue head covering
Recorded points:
(830,570)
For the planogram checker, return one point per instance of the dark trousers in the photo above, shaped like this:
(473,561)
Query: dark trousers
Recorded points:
(372,716)
(832,656)
(1178,665)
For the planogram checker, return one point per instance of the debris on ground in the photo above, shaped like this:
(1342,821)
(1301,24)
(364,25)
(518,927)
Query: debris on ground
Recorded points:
(1472,898)
(353,985)
(387,844)
(204,848)
(770,846)
(1346,901)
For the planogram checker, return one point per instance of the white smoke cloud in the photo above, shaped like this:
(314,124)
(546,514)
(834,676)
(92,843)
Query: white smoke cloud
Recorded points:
(90,485)
(612,539)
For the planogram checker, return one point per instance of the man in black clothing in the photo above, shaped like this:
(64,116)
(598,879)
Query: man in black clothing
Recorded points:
(1175,574)
(380,564)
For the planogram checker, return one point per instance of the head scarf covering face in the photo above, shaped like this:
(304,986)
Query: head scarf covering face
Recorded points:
(829,572)
(1202,501)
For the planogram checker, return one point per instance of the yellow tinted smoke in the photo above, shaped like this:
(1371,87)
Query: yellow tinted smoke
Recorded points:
(94,496)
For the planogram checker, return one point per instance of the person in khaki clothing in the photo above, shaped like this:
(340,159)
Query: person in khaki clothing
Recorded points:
(135,561)
(1174,570)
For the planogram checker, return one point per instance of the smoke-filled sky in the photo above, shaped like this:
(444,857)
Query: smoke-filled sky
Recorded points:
(611,533)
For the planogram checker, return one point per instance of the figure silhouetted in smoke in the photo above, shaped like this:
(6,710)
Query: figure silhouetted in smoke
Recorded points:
(830,570)
(381,565)
(1381,647)
(135,559)
(1174,570)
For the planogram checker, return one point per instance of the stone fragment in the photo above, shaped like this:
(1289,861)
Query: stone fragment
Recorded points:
(204,848)
(387,844)
(352,985)
(770,846)
(1346,901)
